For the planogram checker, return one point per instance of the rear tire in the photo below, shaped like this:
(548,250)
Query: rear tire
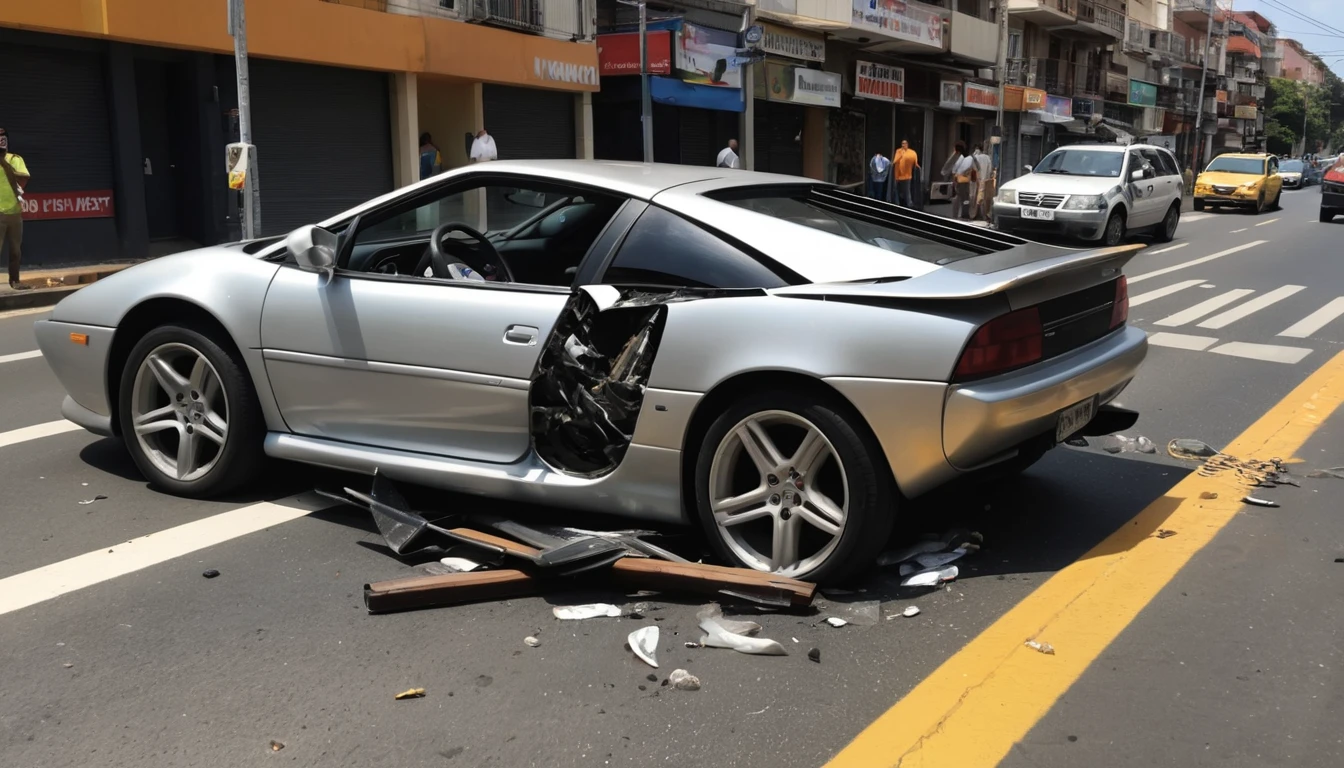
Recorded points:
(1166,231)
(1275,205)
(1114,234)
(1199,204)
(189,415)
(845,480)
(1327,215)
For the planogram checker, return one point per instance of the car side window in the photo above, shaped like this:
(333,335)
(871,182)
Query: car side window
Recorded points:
(666,250)
(1273,166)
(1169,165)
(1155,160)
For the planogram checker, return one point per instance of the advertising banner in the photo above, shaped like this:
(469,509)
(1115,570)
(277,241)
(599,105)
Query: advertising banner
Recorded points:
(708,57)
(879,81)
(982,96)
(94,204)
(1142,94)
(618,54)
(913,22)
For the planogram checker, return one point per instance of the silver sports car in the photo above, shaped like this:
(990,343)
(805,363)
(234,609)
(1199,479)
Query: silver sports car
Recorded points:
(777,360)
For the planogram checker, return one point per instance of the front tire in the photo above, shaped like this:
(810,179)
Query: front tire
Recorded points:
(1166,231)
(1199,204)
(1260,204)
(1114,234)
(1327,215)
(1277,197)
(189,415)
(788,483)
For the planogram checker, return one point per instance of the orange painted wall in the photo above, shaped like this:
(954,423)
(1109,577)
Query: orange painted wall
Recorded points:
(312,31)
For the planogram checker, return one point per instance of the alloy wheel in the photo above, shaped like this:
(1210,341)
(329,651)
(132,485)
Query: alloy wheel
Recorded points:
(179,411)
(778,493)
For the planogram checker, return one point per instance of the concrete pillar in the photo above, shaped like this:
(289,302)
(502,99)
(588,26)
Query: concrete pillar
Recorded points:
(583,126)
(128,174)
(405,112)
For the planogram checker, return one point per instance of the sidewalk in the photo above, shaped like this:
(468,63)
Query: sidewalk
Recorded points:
(45,287)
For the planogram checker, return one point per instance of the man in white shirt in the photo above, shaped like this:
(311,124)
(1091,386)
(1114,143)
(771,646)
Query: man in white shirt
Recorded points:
(984,169)
(963,177)
(728,156)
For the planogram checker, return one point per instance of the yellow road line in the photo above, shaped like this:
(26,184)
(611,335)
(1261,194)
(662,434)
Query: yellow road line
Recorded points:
(984,699)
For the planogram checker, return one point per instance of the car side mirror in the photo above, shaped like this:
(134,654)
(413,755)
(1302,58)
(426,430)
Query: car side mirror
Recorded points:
(314,249)
(1027,168)
(1136,176)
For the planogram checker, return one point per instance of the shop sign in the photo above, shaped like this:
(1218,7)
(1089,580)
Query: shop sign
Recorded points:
(707,56)
(879,81)
(1033,99)
(1059,106)
(778,41)
(564,71)
(1142,94)
(1222,97)
(914,22)
(618,54)
(982,96)
(94,204)
(1242,112)
(949,94)
(1083,108)
(1116,83)
(800,85)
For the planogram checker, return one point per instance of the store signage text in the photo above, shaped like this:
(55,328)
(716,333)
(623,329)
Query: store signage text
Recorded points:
(1242,112)
(900,20)
(1032,99)
(949,95)
(778,41)
(618,54)
(982,96)
(564,72)
(813,86)
(94,204)
(879,81)
(1142,94)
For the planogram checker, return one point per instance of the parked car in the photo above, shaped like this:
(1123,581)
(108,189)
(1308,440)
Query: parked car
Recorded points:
(1295,174)
(1095,192)
(1247,181)
(774,359)
(1332,191)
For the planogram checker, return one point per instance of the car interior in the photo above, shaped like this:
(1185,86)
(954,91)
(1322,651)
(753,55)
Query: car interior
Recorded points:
(536,236)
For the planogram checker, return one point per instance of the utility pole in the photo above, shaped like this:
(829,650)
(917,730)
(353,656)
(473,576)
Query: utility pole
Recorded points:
(1003,80)
(645,96)
(1306,111)
(1203,76)
(251,186)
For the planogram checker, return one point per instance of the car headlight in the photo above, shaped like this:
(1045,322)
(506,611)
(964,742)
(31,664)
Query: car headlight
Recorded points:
(1008,196)
(1084,203)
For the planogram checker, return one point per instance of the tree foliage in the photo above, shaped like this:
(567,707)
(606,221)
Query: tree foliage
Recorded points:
(1288,101)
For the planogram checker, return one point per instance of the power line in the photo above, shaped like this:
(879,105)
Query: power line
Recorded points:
(1295,14)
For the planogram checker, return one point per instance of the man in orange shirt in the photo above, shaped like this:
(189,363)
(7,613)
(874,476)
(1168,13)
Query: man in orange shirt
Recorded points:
(906,161)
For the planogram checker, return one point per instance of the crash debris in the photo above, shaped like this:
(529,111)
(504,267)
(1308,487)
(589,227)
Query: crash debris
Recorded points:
(589,611)
(1122,444)
(643,643)
(531,642)
(683,680)
(721,632)
(86,502)
(1184,448)
(1041,647)
(411,693)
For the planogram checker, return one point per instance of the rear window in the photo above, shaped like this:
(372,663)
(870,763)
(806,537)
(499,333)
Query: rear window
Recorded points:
(801,206)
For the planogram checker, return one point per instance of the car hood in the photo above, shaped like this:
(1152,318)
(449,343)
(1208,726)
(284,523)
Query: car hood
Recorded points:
(1227,178)
(1063,185)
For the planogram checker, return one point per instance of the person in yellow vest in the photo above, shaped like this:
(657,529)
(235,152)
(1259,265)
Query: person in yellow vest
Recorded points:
(15,177)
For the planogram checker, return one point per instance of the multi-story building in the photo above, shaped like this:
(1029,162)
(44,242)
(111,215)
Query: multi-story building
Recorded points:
(134,101)
(1297,63)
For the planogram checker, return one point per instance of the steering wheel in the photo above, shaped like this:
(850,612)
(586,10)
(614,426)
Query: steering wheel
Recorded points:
(442,252)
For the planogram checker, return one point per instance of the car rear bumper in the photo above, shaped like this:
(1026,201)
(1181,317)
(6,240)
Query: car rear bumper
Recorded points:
(1086,225)
(985,421)
(81,368)
(1333,200)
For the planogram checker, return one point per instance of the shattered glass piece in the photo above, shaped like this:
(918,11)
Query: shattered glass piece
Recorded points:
(1185,448)
(1165,533)
(1145,445)
(683,680)
(930,578)
(864,613)
(814,654)
(1037,645)
(587,611)
(644,644)
(717,636)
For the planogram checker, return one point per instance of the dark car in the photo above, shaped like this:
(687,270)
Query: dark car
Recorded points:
(1332,191)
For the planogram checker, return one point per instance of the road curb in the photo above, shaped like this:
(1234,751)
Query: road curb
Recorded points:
(46,287)
(40,297)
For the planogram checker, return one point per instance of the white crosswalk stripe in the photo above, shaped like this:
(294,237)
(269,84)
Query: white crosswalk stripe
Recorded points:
(1193,262)
(1203,308)
(1316,320)
(1270,353)
(1254,305)
(1144,298)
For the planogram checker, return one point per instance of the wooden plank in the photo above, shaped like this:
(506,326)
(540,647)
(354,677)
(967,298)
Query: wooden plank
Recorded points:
(449,589)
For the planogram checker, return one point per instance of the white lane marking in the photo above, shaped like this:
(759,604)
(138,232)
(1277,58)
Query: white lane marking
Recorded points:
(1208,285)
(1165,250)
(1263,223)
(1269,353)
(1181,341)
(1203,308)
(1238,231)
(1316,320)
(1196,217)
(51,581)
(1144,298)
(20,356)
(23,435)
(1254,305)
(1193,262)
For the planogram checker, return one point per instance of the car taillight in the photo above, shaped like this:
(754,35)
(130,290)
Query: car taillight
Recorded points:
(1120,309)
(1002,344)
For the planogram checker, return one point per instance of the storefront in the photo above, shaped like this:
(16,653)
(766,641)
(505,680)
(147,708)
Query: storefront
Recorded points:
(785,85)
(878,89)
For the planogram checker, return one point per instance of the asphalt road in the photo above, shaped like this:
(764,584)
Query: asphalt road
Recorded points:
(1235,662)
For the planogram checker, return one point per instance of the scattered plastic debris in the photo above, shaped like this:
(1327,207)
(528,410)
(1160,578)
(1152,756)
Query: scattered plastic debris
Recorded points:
(460,564)
(1185,448)
(1165,533)
(587,611)
(1208,495)
(644,644)
(531,642)
(836,622)
(1122,444)
(1077,442)
(210,573)
(814,655)
(1045,648)
(1256,474)
(683,680)
(67,665)
(1259,502)
(930,578)
(719,633)
(410,693)
(276,746)
(690,644)
(911,611)
(86,502)
(1336,473)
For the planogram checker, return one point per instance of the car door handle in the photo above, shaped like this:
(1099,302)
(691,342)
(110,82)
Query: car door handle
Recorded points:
(520,334)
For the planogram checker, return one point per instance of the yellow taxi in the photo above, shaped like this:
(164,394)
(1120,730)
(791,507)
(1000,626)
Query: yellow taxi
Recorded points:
(1248,181)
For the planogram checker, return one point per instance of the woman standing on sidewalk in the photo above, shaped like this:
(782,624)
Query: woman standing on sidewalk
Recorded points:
(961,167)
(12,181)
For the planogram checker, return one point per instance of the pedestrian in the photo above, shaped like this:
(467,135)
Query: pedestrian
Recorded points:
(906,161)
(483,147)
(961,167)
(984,196)
(431,161)
(16,177)
(879,172)
(728,156)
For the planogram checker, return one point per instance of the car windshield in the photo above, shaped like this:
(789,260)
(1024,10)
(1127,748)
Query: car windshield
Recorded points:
(1290,166)
(1250,165)
(1082,162)
(798,207)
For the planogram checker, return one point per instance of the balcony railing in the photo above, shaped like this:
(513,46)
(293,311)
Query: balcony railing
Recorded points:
(525,15)
(566,17)
(1057,77)
(1099,15)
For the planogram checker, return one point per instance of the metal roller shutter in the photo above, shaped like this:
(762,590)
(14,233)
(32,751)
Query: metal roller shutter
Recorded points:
(778,127)
(530,124)
(54,106)
(878,127)
(697,136)
(324,140)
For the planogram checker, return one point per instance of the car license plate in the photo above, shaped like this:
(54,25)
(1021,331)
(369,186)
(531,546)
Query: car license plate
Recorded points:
(1040,214)
(1074,418)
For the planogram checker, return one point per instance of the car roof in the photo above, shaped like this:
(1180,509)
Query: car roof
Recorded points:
(634,179)
(1246,155)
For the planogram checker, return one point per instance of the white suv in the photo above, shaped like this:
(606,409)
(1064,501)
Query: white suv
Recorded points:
(1095,192)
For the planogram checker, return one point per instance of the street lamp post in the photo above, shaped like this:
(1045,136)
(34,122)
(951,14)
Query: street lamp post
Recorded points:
(1203,76)
(251,185)
(646,96)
